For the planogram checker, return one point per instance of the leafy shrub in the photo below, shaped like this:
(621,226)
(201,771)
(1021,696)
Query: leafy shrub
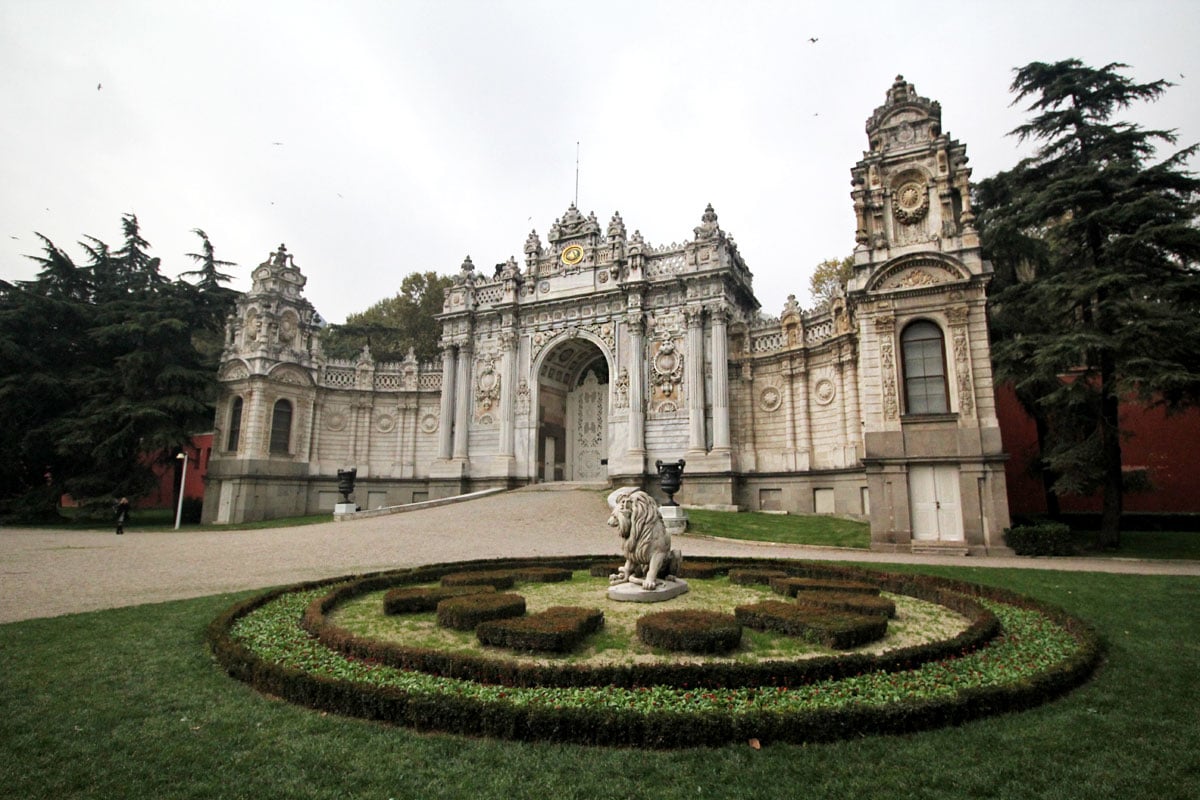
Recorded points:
(1044,539)
(464,613)
(690,631)
(749,577)
(556,630)
(415,599)
(792,587)
(840,630)
(497,579)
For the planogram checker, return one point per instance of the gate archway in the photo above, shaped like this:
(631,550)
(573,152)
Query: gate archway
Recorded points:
(572,413)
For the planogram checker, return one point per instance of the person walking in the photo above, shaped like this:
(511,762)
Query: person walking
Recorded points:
(122,508)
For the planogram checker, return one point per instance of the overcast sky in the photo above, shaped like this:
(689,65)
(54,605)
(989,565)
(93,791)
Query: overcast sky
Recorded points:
(381,138)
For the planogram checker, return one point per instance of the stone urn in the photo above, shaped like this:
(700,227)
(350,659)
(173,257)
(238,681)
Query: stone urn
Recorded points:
(670,476)
(346,482)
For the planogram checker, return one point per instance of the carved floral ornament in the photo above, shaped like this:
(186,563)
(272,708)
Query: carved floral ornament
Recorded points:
(770,398)
(911,202)
(824,391)
(667,367)
(915,274)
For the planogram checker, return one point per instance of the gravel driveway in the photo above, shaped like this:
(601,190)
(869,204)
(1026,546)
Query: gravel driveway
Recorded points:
(51,572)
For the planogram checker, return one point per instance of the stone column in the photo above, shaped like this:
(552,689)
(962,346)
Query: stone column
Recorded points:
(508,406)
(720,381)
(462,400)
(447,410)
(804,429)
(637,365)
(694,369)
(789,409)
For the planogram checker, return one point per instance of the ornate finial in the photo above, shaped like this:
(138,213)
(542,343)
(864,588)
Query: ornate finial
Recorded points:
(467,265)
(279,257)
(616,226)
(533,245)
(637,237)
(791,306)
(708,228)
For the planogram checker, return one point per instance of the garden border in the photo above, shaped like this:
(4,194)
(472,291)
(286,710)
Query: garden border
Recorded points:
(623,727)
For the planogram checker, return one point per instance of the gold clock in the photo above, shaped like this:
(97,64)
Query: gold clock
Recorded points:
(572,255)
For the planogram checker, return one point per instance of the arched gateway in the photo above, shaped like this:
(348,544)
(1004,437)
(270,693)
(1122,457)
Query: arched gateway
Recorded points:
(602,353)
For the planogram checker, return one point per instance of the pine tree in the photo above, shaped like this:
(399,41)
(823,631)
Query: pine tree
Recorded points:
(1097,248)
(99,367)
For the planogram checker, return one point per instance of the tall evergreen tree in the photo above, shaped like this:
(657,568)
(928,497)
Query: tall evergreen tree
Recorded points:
(99,367)
(1098,290)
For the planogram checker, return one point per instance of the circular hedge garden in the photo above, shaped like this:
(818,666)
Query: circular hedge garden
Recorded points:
(1006,653)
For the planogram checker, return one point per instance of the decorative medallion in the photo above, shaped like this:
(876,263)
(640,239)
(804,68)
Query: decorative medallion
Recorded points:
(386,423)
(544,287)
(912,203)
(429,423)
(335,420)
(572,255)
(667,366)
(770,399)
(824,391)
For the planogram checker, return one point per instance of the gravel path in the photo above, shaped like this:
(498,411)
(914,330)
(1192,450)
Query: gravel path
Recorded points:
(46,573)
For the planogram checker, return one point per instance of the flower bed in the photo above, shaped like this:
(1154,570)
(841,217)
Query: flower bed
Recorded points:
(1039,654)
(415,599)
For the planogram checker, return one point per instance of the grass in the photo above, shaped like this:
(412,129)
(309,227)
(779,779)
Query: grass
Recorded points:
(785,528)
(1156,545)
(127,704)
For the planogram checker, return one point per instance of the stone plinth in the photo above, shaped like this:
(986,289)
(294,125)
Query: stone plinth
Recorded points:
(345,508)
(633,593)
(674,518)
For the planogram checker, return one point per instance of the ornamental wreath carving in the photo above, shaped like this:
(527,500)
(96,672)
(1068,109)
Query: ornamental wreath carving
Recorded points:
(667,368)
(487,387)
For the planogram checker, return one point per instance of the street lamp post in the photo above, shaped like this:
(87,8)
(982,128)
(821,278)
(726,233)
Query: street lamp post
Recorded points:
(182,479)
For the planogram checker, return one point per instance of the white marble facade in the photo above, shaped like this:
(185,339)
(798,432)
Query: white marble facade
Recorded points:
(602,353)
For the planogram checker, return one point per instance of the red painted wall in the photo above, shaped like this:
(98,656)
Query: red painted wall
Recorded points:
(1164,445)
(164,495)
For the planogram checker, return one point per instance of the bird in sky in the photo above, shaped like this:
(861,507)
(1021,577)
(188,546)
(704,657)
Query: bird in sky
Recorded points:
(813,40)
(277,144)
(98,85)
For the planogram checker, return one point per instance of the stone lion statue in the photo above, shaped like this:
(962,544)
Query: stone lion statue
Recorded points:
(645,542)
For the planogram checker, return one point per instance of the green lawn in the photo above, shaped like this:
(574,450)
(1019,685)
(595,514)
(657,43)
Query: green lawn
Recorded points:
(787,528)
(127,704)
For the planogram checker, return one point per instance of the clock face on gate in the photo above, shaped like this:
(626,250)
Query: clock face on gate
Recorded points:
(572,255)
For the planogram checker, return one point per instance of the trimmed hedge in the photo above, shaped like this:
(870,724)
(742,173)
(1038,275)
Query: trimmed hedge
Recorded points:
(464,613)
(542,574)
(751,577)
(558,629)
(690,631)
(497,579)
(702,571)
(615,726)
(839,630)
(602,569)
(792,587)
(854,602)
(416,599)
(1045,539)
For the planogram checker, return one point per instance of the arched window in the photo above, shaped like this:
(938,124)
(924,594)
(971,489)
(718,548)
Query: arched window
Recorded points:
(924,355)
(281,427)
(235,425)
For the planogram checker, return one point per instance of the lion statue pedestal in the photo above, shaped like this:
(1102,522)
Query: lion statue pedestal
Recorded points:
(649,574)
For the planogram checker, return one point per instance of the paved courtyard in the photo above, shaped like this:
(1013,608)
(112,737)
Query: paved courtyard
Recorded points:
(51,572)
